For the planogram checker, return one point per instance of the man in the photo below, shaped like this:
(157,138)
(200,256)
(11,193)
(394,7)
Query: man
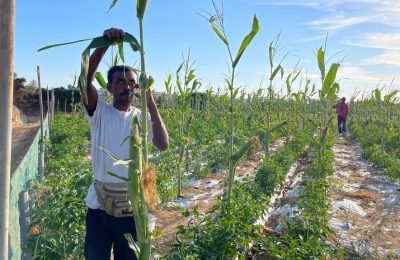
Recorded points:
(341,110)
(110,125)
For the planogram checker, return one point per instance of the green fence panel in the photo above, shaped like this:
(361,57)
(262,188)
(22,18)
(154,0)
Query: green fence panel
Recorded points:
(27,170)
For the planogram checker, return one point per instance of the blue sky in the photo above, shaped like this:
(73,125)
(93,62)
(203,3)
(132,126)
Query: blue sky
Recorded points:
(364,33)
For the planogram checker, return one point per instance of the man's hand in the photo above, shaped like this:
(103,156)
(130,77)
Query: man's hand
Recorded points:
(114,34)
(149,96)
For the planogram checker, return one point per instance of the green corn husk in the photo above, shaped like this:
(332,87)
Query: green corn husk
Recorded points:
(136,195)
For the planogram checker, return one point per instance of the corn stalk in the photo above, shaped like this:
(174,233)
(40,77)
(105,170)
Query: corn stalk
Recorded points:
(185,97)
(217,24)
(267,136)
(145,81)
(272,51)
(136,196)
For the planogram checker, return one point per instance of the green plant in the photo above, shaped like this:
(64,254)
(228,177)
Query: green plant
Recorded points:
(59,212)
(217,24)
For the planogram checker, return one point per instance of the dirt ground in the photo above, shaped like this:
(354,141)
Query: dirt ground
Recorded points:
(22,138)
(202,194)
(365,205)
(24,130)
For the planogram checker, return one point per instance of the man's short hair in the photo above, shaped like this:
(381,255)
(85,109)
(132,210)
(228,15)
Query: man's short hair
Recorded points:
(116,68)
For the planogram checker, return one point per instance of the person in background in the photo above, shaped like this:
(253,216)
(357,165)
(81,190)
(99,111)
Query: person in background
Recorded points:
(341,110)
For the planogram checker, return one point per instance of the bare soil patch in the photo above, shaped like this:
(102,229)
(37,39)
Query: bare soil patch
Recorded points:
(22,138)
(365,205)
(24,129)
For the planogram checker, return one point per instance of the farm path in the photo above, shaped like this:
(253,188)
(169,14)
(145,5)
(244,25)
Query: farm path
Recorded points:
(22,137)
(202,194)
(365,205)
(285,198)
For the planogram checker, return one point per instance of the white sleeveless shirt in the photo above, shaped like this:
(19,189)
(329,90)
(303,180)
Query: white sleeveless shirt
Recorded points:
(109,128)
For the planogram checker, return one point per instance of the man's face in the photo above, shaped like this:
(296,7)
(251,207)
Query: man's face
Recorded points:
(123,87)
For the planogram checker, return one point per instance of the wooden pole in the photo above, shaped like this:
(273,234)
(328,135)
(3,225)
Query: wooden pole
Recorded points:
(41,142)
(53,102)
(48,113)
(7,25)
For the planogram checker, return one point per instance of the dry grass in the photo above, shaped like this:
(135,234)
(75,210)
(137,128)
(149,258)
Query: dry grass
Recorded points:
(364,195)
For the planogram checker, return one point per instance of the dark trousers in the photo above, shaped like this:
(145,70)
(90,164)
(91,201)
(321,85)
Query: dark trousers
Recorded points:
(341,124)
(103,232)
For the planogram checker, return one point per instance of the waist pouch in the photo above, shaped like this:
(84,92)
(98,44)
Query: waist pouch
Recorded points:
(114,198)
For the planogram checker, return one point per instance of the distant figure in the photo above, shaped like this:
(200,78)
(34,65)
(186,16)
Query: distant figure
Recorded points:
(341,110)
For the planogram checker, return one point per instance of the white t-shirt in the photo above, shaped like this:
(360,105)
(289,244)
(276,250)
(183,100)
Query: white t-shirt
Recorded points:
(109,128)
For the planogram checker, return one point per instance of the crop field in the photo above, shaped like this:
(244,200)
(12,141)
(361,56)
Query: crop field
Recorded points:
(313,194)
(248,174)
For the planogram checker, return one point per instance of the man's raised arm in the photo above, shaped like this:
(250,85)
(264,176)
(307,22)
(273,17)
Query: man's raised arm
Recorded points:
(94,61)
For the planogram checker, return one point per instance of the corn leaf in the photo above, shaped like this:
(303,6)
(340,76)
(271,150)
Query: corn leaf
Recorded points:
(115,59)
(217,31)
(235,92)
(190,77)
(306,88)
(390,97)
(296,97)
(276,127)
(167,84)
(141,6)
(133,245)
(61,44)
(179,69)
(230,87)
(254,30)
(133,42)
(377,94)
(117,176)
(150,82)
(330,78)
(276,70)
(297,74)
(289,84)
(271,54)
(101,80)
(323,136)
(178,84)
(122,162)
(109,154)
(112,5)
(224,99)
(321,62)
(195,85)
(313,90)
(156,234)
(95,43)
(121,51)
(250,144)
